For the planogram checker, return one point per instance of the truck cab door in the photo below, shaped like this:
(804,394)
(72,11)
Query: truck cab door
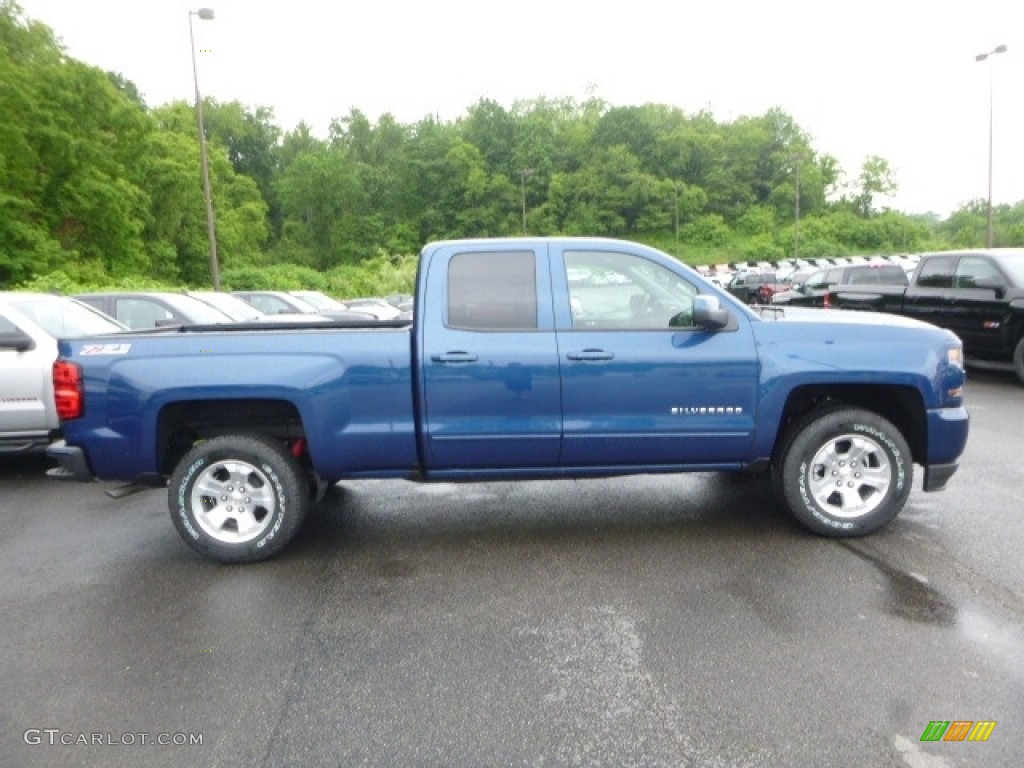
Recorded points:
(490,392)
(982,321)
(641,384)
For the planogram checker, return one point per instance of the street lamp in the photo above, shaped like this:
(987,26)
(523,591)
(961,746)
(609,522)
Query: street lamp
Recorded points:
(522,185)
(206,14)
(796,208)
(675,201)
(991,89)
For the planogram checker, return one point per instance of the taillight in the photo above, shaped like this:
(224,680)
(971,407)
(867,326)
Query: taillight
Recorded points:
(67,390)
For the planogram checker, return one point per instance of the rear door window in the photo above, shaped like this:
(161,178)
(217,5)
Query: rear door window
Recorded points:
(937,272)
(493,291)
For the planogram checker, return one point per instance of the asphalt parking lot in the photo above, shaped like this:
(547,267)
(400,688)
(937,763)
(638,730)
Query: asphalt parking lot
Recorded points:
(651,621)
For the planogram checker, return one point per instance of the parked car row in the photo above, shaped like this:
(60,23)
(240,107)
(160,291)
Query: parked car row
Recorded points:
(143,310)
(815,290)
(31,324)
(787,274)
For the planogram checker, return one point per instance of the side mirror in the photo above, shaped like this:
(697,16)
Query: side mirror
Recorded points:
(708,313)
(17,340)
(991,284)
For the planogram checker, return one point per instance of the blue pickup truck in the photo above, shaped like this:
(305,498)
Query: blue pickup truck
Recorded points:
(526,359)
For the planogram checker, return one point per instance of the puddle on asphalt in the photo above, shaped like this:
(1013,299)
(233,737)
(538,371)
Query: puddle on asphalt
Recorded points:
(909,596)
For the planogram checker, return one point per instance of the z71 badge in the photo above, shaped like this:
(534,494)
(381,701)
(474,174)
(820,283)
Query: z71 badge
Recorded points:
(105,349)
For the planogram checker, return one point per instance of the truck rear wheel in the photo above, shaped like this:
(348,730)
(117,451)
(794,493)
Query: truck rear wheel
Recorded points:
(844,471)
(238,498)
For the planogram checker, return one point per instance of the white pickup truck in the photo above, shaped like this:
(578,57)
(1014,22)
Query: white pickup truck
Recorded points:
(30,324)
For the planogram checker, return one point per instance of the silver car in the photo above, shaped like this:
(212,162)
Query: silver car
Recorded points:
(30,324)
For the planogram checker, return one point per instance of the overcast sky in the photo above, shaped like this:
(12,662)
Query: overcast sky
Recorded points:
(895,78)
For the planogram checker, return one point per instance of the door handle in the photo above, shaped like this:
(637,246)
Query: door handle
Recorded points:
(454,357)
(591,354)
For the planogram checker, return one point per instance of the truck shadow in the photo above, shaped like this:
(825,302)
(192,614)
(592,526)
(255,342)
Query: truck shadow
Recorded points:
(369,513)
(21,466)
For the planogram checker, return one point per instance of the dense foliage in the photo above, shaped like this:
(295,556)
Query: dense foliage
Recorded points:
(98,189)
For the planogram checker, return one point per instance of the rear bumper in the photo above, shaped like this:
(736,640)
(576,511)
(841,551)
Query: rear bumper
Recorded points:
(937,475)
(25,442)
(72,462)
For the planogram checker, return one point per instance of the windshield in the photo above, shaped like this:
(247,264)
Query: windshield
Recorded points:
(232,306)
(1013,266)
(65,318)
(197,311)
(318,300)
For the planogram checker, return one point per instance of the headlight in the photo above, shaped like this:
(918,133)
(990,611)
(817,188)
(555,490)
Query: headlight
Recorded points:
(955,356)
(953,379)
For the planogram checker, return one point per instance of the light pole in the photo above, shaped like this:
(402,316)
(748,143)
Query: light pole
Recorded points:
(675,201)
(522,186)
(991,90)
(206,14)
(796,209)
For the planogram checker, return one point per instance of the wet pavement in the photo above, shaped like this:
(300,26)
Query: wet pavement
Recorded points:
(652,621)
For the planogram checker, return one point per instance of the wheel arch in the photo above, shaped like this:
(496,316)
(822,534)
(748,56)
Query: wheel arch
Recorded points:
(181,424)
(901,405)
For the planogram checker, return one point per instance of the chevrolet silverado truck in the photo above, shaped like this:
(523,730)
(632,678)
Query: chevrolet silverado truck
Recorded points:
(977,294)
(510,370)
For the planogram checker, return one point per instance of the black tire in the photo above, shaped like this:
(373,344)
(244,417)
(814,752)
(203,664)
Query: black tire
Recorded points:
(843,471)
(263,498)
(1018,360)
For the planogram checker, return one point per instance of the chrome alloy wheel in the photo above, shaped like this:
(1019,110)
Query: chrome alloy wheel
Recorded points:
(850,476)
(233,501)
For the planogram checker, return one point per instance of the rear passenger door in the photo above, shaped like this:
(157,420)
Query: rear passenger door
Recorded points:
(930,298)
(489,360)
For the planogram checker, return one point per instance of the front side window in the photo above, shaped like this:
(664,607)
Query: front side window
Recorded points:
(6,326)
(624,291)
(971,268)
(493,291)
(816,280)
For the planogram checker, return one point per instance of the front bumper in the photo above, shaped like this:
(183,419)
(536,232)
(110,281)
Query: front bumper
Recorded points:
(947,438)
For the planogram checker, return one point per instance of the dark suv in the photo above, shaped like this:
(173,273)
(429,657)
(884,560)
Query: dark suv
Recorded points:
(814,290)
(755,287)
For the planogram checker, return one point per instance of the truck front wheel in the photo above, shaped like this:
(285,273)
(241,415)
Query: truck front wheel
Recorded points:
(238,498)
(844,471)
